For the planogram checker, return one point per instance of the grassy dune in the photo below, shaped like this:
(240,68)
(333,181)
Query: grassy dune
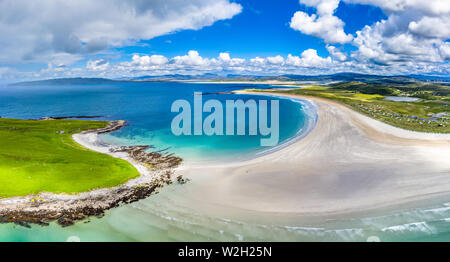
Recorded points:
(369,100)
(35,156)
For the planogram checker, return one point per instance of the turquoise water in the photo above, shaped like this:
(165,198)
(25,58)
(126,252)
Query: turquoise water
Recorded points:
(169,216)
(147,109)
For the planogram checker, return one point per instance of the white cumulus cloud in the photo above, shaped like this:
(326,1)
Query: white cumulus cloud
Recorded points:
(323,25)
(438,27)
(336,53)
(275,59)
(307,63)
(192,59)
(149,60)
(97,65)
(414,32)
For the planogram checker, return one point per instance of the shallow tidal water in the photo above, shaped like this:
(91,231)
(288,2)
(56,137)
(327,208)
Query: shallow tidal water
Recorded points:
(168,215)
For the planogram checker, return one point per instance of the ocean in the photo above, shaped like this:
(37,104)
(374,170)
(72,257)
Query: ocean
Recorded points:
(168,216)
(147,109)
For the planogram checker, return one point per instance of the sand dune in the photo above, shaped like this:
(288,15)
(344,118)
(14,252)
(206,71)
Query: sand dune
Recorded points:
(348,162)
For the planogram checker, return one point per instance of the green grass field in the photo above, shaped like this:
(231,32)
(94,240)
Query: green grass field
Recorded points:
(369,100)
(35,156)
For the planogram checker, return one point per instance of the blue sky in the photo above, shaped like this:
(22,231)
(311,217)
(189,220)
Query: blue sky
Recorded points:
(261,29)
(112,38)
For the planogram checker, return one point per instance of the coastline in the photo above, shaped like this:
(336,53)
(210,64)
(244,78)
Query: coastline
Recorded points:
(155,170)
(270,82)
(369,125)
(310,109)
(347,163)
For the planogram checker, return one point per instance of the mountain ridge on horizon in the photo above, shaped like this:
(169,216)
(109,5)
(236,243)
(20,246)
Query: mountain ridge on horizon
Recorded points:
(344,76)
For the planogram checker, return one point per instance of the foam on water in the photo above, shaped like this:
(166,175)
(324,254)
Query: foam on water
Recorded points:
(165,217)
(411,227)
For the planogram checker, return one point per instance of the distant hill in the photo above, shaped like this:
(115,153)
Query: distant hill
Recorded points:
(174,77)
(341,77)
(347,77)
(431,78)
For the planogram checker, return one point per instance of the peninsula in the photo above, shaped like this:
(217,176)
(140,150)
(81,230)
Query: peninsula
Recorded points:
(50,171)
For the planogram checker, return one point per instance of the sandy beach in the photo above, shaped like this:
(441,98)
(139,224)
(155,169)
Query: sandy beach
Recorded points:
(348,162)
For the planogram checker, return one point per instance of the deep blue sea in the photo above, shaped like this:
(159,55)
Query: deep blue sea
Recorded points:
(168,216)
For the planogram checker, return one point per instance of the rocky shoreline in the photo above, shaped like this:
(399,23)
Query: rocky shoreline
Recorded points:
(156,169)
(67,117)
